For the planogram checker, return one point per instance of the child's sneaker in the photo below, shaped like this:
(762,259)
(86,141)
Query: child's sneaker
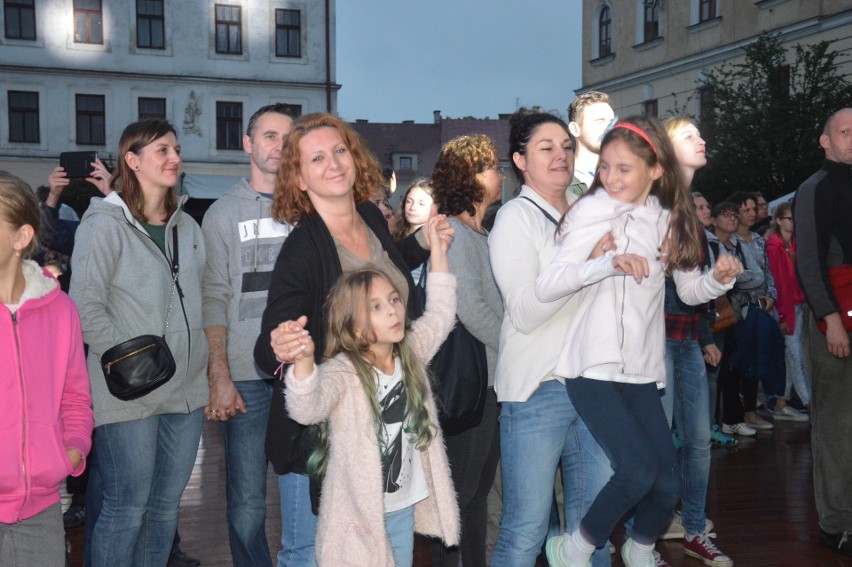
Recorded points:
(659,561)
(700,547)
(553,550)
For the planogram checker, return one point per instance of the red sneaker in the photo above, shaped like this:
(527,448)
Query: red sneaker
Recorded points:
(701,547)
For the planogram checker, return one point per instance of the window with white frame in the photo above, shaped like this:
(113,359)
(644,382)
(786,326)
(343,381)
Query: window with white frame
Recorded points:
(19,16)
(288,33)
(23,117)
(150,24)
(88,21)
(150,107)
(229,31)
(229,125)
(605,31)
(91,120)
(650,20)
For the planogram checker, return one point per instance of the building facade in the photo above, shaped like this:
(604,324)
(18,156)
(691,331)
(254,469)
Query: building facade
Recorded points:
(76,72)
(648,55)
(411,149)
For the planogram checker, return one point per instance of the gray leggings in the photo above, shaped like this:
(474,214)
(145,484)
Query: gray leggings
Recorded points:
(39,540)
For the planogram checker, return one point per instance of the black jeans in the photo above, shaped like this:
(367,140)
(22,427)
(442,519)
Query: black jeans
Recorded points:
(473,455)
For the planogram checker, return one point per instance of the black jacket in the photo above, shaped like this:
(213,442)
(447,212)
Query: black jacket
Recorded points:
(306,269)
(823,208)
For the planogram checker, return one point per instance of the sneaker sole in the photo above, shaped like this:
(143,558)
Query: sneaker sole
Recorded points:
(728,431)
(803,418)
(708,562)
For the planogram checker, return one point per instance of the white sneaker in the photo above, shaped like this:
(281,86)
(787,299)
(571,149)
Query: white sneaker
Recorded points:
(625,556)
(789,414)
(738,429)
(676,529)
(553,550)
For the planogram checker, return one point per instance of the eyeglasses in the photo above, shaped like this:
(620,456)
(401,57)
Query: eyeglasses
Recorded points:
(496,168)
(730,215)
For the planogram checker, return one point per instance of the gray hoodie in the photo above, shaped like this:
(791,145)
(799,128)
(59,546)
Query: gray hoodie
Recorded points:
(243,242)
(122,284)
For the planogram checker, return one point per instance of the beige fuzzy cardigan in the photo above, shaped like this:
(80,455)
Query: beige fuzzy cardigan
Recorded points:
(351,528)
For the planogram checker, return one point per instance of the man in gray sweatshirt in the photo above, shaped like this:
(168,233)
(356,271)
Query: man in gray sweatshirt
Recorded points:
(242,243)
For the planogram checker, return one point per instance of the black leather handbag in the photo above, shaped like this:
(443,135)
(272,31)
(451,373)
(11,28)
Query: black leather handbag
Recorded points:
(140,365)
(459,375)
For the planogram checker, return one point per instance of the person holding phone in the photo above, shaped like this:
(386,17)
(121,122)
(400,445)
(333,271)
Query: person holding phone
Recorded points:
(59,233)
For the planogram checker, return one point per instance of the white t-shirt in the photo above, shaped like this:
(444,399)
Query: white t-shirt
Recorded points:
(402,470)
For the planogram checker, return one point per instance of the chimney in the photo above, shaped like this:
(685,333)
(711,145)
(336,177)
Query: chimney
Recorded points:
(436,116)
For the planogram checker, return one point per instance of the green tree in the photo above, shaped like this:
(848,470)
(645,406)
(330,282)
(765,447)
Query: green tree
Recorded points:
(769,113)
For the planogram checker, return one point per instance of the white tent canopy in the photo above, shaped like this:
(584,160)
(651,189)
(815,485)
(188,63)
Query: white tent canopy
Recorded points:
(207,185)
(783,199)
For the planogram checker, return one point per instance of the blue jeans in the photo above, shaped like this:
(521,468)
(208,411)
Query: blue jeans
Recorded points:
(628,422)
(687,387)
(797,376)
(534,436)
(298,522)
(244,436)
(144,466)
(400,528)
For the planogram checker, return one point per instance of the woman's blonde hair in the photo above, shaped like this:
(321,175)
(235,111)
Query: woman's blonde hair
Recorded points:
(289,200)
(348,331)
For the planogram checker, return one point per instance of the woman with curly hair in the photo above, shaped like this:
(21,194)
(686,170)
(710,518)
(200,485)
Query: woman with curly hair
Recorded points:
(326,178)
(467,179)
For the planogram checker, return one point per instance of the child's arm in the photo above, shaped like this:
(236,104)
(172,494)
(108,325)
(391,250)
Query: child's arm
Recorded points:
(443,238)
(312,391)
(695,288)
(429,331)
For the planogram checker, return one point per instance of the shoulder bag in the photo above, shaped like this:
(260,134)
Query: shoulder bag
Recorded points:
(459,373)
(142,364)
(840,278)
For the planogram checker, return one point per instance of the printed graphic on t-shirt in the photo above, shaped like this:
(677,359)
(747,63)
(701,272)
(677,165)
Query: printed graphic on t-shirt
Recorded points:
(396,470)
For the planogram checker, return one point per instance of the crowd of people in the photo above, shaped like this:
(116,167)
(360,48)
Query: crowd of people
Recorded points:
(624,324)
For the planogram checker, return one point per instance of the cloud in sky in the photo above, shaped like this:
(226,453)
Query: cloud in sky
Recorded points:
(401,59)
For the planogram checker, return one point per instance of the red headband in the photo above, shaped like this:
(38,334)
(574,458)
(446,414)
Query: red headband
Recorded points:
(637,130)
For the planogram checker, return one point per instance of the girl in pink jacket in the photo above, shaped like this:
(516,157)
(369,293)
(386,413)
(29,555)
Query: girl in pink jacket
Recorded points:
(381,453)
(46,422)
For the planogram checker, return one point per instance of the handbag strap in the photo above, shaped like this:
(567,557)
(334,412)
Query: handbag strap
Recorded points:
(540,208)
(174,267)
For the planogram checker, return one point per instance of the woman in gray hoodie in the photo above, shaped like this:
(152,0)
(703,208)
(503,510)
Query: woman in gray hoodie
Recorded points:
(125,248)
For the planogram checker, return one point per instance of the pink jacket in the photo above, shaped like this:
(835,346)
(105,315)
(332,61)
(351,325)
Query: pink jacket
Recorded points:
(44,388)
(786,284)
(351,530)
